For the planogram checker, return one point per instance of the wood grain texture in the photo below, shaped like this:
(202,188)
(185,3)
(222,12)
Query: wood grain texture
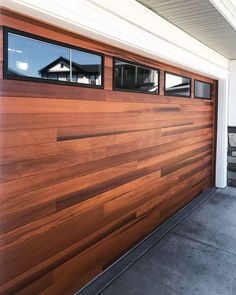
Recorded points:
(87,173)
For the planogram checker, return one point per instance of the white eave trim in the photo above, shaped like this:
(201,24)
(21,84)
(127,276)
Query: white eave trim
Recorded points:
(227,8)
(127,25)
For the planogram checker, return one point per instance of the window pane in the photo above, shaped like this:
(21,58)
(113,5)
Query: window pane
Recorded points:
(202,89)
(33,58)
(86,67)
(134,77)
(177,85)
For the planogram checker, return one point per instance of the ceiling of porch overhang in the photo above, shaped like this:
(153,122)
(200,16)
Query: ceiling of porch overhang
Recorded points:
(201,20)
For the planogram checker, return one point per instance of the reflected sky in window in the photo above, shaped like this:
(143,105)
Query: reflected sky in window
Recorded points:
(27,56)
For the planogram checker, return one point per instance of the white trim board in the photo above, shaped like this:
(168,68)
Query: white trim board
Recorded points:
(232,94)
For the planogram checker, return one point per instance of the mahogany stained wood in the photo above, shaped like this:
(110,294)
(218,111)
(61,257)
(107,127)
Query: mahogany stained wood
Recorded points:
(87,173)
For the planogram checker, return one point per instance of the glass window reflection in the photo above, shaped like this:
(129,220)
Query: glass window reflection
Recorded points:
(132,77)
(176,85)
(28,57)
(202,89)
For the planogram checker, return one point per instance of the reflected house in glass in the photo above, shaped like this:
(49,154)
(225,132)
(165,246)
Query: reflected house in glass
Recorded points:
(61,69)
(135,77)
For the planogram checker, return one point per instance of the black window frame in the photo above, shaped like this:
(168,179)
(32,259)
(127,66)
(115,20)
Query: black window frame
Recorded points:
(7,30)
(136,64)
(200,97)
(178,75)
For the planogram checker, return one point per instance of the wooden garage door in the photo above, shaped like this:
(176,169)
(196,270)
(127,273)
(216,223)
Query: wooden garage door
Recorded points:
(87,173)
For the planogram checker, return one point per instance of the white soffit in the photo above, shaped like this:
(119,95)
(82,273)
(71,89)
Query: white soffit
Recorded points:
(129,25)
(213,22)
